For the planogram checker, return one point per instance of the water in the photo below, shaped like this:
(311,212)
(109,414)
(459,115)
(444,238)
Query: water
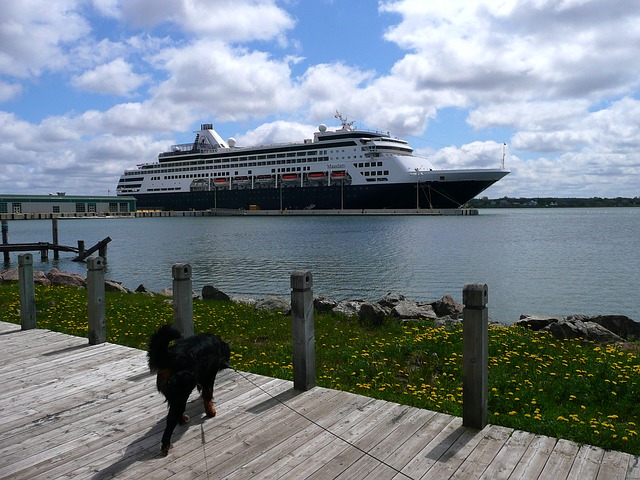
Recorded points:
(543,261)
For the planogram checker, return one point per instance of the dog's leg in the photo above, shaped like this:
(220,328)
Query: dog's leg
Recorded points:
(207,400)
(176,415)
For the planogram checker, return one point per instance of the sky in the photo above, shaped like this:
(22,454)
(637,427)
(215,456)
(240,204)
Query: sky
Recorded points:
(91,87)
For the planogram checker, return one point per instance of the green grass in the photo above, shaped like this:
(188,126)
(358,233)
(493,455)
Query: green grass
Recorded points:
(581,391)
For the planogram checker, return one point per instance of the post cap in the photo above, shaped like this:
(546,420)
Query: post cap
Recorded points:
(301,280)
(95,263)
(25,259)
(181,271)
(475,295)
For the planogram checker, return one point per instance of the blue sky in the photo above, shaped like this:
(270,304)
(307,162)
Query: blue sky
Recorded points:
(89,88)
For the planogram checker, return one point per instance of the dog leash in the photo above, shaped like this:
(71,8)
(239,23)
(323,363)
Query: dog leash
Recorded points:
(204,450)
(319,426)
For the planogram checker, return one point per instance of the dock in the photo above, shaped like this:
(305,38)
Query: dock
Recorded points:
(74,410)
(381,212)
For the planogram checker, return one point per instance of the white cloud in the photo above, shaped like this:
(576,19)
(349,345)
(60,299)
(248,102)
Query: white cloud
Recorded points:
(115,78)
(228,20)
(276,132)
(33,34)
(9,91)
(515,50)
(213,79)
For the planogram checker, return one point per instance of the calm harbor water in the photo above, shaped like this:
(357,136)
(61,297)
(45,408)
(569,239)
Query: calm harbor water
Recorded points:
(542,261)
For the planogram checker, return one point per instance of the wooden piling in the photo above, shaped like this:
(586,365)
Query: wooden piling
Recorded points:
(5,239)
(303,331)
(54,233)
(96,300)
(27,291)
(182,299)
(475,357)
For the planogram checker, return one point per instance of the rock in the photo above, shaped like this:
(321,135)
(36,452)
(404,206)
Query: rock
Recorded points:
(536,322)
(407,309)
(348,308)
(142,289)
(112,286)
(274,304)
(10,275)
(244,300)
(167,292)
(576,328)
(40,278)
(372,314)
(447,306)
(390,300)
(324,304)
(621,325)
(66,279)
(212,293)
(447,321)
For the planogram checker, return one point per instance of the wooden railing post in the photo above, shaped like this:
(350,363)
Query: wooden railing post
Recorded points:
(96,301)
(182,299)
(475,339)
(27,291)
(303,331)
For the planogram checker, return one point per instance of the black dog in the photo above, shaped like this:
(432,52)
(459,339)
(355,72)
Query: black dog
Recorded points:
(182,364)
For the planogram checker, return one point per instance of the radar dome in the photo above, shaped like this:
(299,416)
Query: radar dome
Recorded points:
(231,142)
(322,127)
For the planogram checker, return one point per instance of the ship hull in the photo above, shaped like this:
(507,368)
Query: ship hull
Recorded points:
(434,195)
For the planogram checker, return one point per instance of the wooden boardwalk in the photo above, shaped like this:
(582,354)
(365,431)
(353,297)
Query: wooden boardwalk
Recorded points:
(70,410)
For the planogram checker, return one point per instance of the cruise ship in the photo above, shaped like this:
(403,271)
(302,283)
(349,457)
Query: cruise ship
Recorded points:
(343,168)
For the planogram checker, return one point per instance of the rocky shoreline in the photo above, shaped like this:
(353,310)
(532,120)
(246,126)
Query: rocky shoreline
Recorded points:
(617,329)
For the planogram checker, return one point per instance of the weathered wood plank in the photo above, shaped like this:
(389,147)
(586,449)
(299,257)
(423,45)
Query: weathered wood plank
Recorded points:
(534,458)
(586,463)
(508,457)
(614,466)
(561,459)
(493,440)
(443,439)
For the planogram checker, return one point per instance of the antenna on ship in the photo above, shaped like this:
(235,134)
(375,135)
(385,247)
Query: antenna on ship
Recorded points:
(345,125)
(504,150)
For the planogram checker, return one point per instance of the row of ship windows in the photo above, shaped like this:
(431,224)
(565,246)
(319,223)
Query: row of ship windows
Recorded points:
(312,157)
(273,170)
(253,162)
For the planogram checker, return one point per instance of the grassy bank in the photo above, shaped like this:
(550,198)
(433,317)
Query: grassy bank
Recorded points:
(580,391)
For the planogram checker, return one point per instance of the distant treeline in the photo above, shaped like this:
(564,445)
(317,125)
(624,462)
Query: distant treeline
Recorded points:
(536,202)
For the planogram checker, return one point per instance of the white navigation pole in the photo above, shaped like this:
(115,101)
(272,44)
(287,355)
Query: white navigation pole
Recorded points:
(418,188)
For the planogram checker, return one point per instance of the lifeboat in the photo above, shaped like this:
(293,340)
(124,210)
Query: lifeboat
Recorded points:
(242,180)
(290,177)
(264,179)
(221,182)
(317,176)
(340,175)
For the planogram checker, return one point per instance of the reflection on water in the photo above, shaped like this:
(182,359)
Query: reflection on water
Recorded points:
(557,261)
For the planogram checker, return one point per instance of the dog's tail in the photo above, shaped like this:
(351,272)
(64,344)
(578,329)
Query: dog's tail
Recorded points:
(158,345)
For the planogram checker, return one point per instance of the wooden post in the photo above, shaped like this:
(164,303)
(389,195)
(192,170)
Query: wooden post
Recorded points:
(96,301)
(182,299)
(475,358)
(304,354)
(5,239)
(102,251)
(54,231)
(27,291)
